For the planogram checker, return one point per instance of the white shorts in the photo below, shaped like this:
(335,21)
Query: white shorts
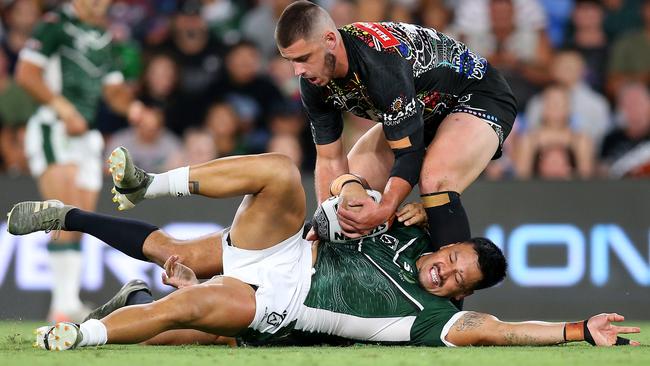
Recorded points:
(46,142)
(282,275)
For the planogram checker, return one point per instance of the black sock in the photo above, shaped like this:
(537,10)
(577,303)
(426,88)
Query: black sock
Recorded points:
(447,219)
(139,297)
(125,235)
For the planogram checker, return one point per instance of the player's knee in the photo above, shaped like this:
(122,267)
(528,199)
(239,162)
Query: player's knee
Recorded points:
(155,246)
(283,169)
(188,306)
(431,183)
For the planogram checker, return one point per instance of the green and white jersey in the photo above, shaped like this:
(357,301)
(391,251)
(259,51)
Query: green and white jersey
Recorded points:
(369,291)
(76,56)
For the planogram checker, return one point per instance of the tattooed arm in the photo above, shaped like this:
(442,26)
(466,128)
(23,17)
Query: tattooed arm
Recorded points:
(475,329)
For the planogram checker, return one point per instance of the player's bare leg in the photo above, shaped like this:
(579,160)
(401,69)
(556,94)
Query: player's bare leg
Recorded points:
(273,207)
(180,337)
(268,182)
(223,306)
(58,182)
(460,151)
(202,255)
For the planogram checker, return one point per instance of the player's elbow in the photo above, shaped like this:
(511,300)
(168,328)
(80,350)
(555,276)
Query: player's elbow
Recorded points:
(22,75)
(474,329)
(28,76)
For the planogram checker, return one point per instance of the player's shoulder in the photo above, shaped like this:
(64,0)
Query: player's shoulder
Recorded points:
(386,35)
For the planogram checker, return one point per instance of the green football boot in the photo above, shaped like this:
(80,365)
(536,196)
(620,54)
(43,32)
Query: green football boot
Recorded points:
(130,182)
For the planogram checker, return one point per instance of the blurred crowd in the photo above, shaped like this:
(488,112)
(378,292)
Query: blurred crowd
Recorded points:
(580,70)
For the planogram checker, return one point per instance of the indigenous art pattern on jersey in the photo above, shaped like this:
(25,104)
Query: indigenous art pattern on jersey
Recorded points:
(425,48)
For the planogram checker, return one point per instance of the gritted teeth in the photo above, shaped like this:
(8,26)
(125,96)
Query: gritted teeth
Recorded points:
(434,276)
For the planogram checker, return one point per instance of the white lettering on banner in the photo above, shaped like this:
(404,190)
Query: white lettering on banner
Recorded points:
(605,237)
(7,244)
(526,236)
(496,234)
(593,250)
(126,268)
(32,264)
(93,264)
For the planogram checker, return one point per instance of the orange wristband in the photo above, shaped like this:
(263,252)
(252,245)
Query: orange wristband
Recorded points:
(574,331)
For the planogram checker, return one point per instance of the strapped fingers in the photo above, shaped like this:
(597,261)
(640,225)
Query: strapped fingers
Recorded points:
(620,341)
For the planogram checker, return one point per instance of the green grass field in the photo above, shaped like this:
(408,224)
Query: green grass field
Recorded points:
(16,349)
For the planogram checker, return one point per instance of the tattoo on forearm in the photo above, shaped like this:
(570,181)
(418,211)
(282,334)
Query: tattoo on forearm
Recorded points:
(470,321)
(194,187)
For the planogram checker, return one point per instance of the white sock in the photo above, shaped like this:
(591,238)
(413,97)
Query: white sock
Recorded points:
(66,280)
(173,183)
(94,333)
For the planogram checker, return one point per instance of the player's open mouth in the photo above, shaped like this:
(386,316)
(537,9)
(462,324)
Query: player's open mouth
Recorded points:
(435,279)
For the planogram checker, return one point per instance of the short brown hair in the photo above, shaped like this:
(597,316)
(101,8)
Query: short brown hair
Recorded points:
(297,21)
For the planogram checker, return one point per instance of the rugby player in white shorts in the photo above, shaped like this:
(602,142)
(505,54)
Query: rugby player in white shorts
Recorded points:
(267,267)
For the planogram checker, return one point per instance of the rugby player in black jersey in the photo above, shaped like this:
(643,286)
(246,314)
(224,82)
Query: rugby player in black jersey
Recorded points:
(443,113)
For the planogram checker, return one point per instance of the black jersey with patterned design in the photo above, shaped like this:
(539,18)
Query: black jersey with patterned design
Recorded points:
(408,78)
(369,291)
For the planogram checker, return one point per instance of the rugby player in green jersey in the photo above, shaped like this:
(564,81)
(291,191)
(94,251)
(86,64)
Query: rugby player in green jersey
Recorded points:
(67,66)
(382,289)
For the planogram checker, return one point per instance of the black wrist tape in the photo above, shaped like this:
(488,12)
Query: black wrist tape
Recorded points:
(588,338)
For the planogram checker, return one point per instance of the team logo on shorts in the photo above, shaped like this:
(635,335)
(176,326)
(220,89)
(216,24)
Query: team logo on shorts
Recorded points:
(276,319)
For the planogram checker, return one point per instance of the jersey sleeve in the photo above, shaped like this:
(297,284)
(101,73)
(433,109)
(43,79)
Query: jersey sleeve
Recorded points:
(434,322)
(325,121)
(114,76)
(392,89)
(45,40)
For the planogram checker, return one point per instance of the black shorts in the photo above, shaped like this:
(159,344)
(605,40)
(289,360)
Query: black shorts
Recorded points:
(490,99)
